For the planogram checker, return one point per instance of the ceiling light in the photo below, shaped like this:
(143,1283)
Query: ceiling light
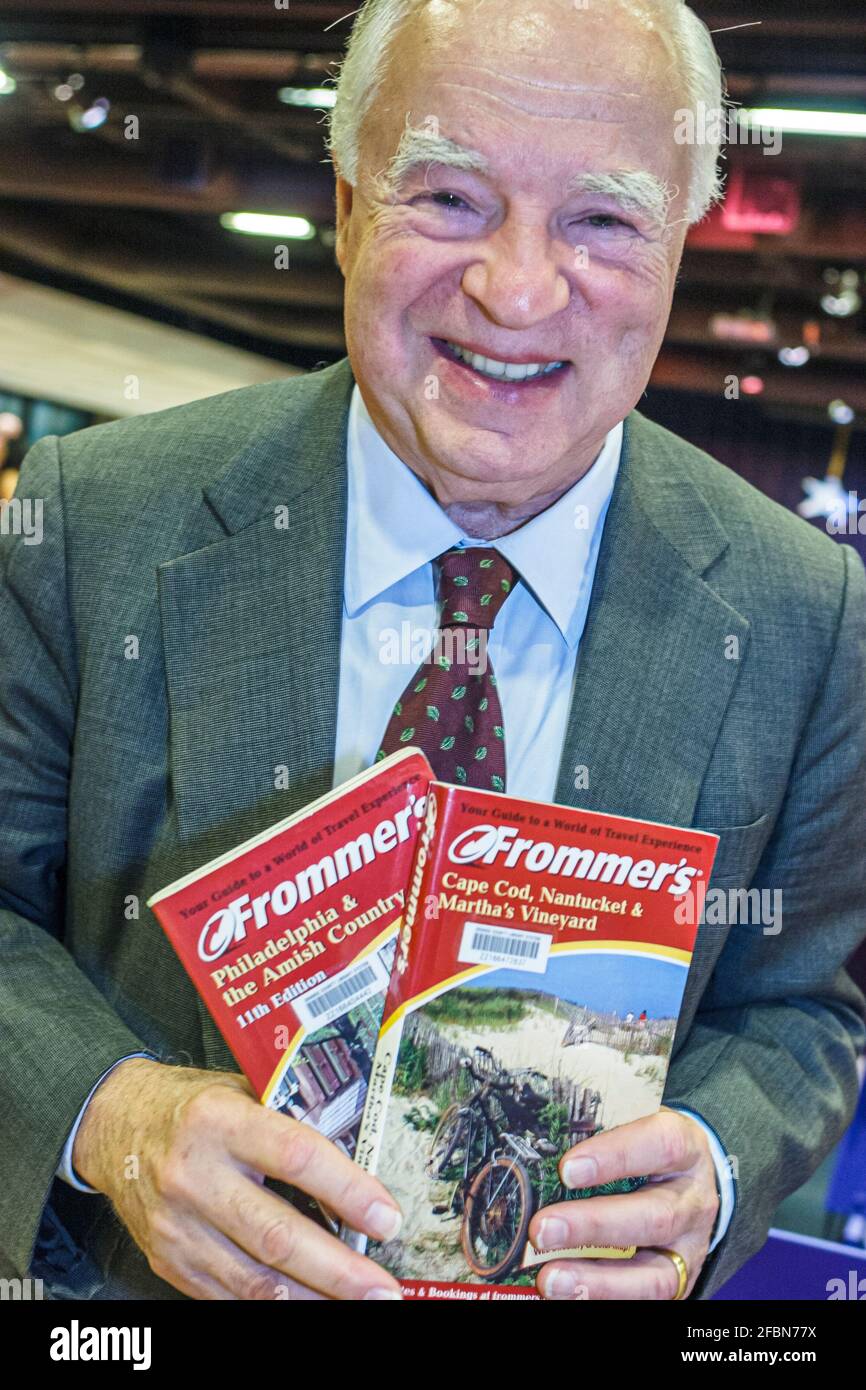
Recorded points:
(825,497)
(841,306)
(95,115)
(268,224)
(7,83)
(794,356)
(840,413)
(791,122)
(743,327)
(307,96)
(752,385)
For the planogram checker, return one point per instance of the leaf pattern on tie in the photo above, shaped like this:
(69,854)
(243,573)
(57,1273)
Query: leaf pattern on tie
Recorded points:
(450,708)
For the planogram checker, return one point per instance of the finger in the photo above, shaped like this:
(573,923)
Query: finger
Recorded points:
(650,1276)
(298,1155)
(209,1257)
(656,1215)
(194,1284)
(663,1143)
(273,1234)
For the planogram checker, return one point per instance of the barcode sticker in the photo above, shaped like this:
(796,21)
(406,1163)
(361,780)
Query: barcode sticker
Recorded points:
(342,993)
(482,944)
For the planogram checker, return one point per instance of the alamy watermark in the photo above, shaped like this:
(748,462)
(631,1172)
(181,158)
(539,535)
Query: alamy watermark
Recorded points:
(848,518)
(83,1343)
(854,1290)
(719,907)
(719,125)
(22,516)
(21,1290)
(411,646)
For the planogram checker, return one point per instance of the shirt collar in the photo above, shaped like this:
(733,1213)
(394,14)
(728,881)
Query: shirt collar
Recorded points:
(397,526)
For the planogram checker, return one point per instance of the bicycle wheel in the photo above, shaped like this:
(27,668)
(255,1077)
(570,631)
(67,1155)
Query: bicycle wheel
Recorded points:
(496,1218)
(447,1138)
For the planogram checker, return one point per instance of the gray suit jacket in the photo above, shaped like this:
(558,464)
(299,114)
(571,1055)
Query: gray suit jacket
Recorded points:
(124,765)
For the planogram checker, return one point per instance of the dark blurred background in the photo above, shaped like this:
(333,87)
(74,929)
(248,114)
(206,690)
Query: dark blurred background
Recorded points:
(131,132)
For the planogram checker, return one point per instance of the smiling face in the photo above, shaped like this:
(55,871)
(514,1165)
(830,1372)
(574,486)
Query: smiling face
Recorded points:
(522,259)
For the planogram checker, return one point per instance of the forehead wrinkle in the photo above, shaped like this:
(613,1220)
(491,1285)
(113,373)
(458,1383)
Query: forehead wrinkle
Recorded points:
(525,80)
(418,146)
(596,115)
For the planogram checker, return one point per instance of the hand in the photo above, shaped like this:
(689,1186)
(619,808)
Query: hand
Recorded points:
(676,1210)
(183,1155)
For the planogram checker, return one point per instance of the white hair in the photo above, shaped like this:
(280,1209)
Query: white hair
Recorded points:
(376,29)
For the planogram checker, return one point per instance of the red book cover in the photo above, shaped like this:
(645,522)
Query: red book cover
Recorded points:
(533,1002)
(289,939)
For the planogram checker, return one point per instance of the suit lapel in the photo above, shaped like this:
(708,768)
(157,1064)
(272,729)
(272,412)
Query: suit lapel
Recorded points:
(652,683)
(251,631)
(251,626)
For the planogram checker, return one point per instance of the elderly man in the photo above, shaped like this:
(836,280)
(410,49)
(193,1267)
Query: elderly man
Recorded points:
(204,623)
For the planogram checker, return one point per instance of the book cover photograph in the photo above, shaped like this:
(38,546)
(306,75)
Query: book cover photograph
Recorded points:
(289,938)
(533,1003)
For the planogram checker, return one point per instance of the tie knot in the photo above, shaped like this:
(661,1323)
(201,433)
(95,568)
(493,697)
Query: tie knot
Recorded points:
(473,585)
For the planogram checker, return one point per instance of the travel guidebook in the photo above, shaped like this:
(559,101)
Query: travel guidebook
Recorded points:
(289,939)
(533,1001)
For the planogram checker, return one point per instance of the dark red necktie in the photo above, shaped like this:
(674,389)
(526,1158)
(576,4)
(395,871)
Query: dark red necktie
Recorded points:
(450,709)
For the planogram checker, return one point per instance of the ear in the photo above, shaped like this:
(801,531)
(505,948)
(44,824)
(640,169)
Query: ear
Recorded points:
(344,197)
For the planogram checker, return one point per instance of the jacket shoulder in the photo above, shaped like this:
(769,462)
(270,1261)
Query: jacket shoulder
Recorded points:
(763,534)
(182,446)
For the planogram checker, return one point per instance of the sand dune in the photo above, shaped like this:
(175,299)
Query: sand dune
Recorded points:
(537,1043)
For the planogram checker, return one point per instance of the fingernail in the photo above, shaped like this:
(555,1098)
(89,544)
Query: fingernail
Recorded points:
(580,1172)
(560,1284)
(552,1234)
(383,1221)
(393,1295)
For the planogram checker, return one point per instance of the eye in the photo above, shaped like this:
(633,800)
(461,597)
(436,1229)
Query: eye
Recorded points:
(441,198)
(605,221)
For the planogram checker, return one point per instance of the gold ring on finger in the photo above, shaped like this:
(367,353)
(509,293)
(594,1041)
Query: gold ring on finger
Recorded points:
(681,1268)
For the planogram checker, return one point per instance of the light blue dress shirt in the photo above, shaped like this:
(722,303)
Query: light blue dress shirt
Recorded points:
(395,530)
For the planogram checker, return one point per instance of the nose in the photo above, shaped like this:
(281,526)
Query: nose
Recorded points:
(517,281)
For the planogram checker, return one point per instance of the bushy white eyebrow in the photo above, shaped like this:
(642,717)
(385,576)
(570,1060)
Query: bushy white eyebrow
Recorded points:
(418,146)
(633,190)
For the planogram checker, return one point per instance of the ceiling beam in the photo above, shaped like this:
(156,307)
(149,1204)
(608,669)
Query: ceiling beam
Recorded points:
(677,370)
(95,174)
(146,268)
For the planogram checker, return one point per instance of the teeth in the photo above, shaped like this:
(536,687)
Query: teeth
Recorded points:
(508,371)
